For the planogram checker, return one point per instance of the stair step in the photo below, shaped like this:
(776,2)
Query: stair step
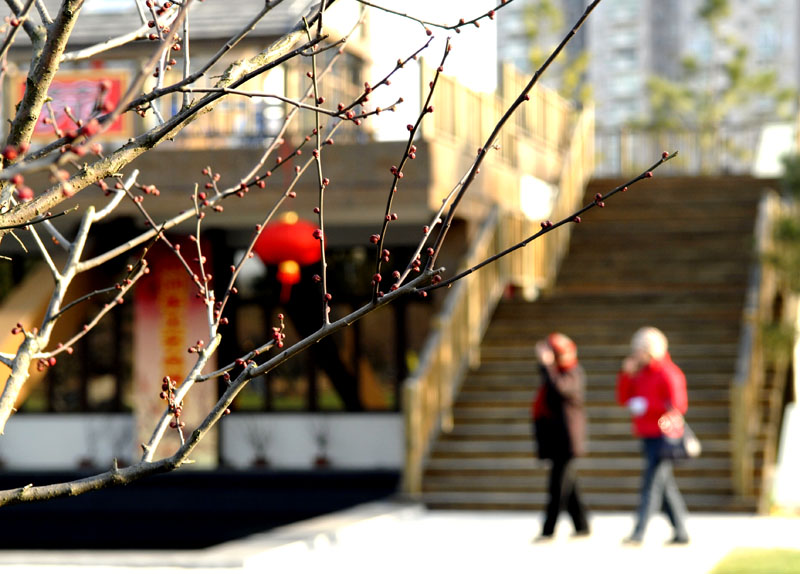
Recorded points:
(632,286)
(605,447)
(595,501)
(501,350)
(594,397)
(591,333)
(527,462)
(537,481)
(595,380)
(507,409)
(599,301)
(522,428)
(529,367)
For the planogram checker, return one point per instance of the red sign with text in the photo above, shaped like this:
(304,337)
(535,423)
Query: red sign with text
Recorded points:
(168,319)
(81,92)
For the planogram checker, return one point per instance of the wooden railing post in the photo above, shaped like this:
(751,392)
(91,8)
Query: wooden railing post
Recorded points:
(412,474)
(741,413)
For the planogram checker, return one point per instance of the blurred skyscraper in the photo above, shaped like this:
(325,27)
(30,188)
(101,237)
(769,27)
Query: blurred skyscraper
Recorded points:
(633,40)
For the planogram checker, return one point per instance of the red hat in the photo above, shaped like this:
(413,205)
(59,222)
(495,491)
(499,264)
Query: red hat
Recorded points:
(564,349)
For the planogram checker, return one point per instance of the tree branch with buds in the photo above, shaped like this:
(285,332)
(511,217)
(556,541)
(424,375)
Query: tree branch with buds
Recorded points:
(73,170)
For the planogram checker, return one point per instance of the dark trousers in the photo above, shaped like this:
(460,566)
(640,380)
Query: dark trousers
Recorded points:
(659,491)
(563,494)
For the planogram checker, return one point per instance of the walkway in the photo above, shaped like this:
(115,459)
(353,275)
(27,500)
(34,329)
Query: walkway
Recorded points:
(404,538)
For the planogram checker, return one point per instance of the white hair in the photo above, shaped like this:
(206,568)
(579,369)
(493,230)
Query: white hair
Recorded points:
(651,341)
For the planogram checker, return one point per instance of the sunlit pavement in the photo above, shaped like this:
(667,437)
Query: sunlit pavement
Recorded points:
(395,538)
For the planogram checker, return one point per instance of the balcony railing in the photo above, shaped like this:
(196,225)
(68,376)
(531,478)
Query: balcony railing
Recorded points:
(728,149)
(466,116)
(239,121)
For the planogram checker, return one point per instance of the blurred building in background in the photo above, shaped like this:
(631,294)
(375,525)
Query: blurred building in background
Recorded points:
(631,43)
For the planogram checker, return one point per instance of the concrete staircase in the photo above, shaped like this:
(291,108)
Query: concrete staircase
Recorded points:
(670,252)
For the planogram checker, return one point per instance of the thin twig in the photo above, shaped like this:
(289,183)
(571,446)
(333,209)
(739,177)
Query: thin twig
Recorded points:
(14,29)
(321,183)
(490,14)
(40,219)
(397,173)
(521,99)
(548,226)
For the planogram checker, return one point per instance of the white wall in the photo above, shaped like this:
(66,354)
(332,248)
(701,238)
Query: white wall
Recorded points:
(66,441)
(354,441)
(287,441)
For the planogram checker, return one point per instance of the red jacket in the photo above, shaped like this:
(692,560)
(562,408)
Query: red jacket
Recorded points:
(662,384)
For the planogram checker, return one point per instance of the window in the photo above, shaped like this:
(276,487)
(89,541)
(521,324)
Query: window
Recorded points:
(626,85)
(701,44)
(623,10)
(365,363)
(625,58)
(767,42)
(96,376)
(342,84)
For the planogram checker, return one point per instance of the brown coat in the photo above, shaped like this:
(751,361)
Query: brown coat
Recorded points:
(561,425)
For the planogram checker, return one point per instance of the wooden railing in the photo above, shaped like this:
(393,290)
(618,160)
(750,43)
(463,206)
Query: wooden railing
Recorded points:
(751,368)
(247,121)
(729,149)
(465,116)
(454,345)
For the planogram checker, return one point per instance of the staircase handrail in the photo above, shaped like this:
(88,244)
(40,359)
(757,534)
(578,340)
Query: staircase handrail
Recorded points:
(428,393)
(458,329)
(749,376)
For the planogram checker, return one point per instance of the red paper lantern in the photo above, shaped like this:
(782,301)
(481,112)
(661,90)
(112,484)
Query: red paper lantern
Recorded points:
(289,243)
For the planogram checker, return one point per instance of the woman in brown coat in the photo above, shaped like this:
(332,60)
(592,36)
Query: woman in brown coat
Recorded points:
(559,422)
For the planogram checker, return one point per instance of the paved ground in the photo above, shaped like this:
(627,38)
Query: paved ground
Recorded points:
(396,538)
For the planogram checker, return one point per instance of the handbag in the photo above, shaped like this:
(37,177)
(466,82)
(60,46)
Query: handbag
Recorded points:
(679,442)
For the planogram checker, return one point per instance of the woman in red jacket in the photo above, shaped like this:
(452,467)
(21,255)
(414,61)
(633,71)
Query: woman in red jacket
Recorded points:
(650,384)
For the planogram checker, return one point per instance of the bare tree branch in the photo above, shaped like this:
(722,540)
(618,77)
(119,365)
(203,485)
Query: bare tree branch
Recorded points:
(42,74)
(521,99)
(21,17)
(549,226)
(427,24)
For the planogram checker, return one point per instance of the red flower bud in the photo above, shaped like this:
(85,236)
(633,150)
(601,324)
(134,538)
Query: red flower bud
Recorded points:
(10,153)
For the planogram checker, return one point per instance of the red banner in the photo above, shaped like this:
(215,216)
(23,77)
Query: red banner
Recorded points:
(81,92)
(168,319)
